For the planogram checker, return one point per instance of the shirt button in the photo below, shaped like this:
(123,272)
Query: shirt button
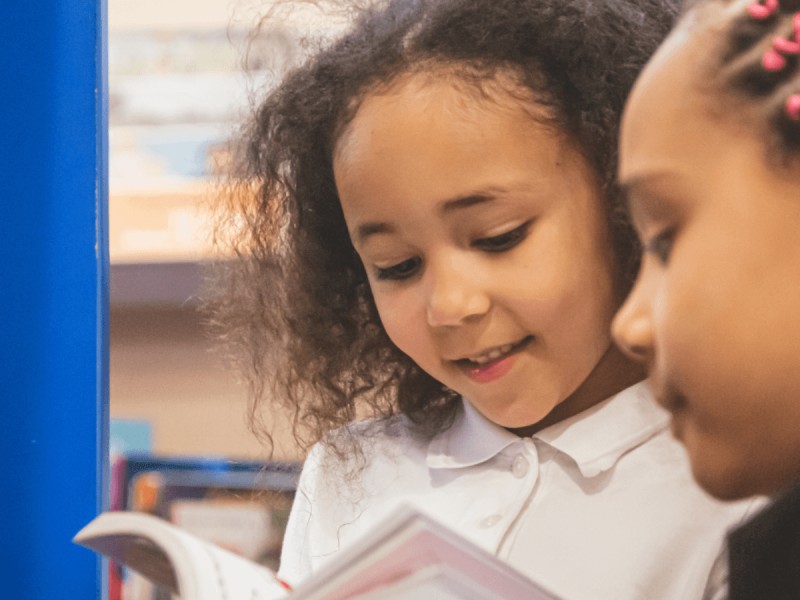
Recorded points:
(519,466)
(490,521)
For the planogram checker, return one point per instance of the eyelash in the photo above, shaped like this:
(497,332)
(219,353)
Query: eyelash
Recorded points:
(400,271)
(505,241)
(493,245)
(661,245)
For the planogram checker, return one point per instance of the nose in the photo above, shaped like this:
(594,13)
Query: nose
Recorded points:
(632,327)
(455,294)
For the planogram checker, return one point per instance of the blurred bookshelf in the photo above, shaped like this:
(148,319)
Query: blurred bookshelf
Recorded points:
(181,78)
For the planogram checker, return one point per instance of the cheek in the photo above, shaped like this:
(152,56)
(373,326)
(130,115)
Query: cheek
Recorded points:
(718,326)
(600,278)
(713,357)
(690,333)
(591,300)
(575,288)
(402,319)
(584,318)
(726,338)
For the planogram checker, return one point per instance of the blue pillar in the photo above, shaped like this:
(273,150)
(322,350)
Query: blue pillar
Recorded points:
(53,294)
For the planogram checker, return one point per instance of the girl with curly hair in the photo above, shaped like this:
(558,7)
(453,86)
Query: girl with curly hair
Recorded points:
(710,156)
(436,249)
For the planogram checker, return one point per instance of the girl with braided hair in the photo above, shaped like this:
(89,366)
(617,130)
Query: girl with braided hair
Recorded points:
(710,159)
(437,244)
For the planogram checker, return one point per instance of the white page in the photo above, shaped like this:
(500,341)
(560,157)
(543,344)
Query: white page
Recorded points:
(177,560)
(434,583)
(408,542)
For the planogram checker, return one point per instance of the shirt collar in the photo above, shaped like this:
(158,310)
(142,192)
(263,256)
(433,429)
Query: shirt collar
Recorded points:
(470,440)
(595,438)
(598,437)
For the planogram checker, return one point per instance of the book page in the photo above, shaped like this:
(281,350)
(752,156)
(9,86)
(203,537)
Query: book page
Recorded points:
(243,526)
(409,542)
(437,581)
(190,567)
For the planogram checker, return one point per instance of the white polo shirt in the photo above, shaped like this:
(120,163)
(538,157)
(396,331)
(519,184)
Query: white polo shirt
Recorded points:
(600,506)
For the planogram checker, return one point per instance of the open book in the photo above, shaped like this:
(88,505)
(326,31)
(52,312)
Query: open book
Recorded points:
(407,556)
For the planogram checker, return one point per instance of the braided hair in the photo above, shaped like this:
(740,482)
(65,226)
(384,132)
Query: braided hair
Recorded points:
(758,61)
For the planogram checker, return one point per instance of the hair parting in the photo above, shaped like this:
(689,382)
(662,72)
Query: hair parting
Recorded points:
(759,62)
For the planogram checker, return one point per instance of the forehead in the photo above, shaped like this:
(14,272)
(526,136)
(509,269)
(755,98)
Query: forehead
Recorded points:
(427,144)
(462,88)
(664,105)
(432,118)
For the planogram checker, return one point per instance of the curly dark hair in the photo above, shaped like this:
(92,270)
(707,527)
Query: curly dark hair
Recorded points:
(737,66)
(297,299)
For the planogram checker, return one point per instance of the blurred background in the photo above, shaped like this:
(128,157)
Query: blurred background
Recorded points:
(175,89)
(182,76)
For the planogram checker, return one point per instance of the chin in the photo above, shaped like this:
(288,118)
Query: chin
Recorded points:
(717,465)
(512,422)
(729,489)
(728,483)
(523,423)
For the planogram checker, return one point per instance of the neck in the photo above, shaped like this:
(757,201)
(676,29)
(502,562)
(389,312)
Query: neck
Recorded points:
(613,373)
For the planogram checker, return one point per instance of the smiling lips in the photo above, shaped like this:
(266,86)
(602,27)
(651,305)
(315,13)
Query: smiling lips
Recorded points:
(492,364)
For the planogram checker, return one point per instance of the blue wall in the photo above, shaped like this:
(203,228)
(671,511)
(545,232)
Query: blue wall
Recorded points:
(53,298)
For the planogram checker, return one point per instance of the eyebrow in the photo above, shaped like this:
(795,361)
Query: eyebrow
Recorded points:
(371,228)
(643,188)
(366,230)
(629,187)
(641,196)
(470,200)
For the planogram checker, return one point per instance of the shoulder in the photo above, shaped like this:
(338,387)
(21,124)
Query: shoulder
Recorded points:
(361,451)
(352,479)
(370,437)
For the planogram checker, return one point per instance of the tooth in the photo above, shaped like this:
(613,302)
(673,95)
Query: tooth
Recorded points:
(491,355)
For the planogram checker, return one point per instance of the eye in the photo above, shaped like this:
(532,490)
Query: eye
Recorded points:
(400,271)
(661,245)
(504,241)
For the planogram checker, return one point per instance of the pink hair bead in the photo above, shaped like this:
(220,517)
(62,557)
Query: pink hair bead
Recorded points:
(793,107)
(773,60)
(763,11)
(785,46)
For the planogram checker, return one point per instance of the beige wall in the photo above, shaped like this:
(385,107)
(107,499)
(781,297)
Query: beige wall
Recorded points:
(165,370)
(175,14)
